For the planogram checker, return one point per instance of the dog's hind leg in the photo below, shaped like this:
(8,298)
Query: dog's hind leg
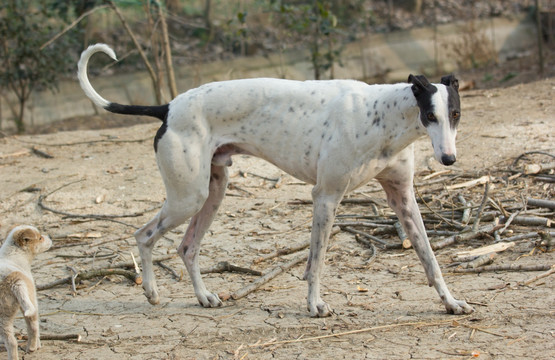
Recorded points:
(396,180)
(7,334)
(190,246)
(186,180)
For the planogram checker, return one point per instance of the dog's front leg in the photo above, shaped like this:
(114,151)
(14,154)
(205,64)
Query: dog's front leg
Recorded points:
(27,299)
(325,205)
(33,342)
(400,196)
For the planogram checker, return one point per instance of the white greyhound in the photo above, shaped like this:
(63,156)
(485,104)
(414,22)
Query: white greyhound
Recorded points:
(336,134)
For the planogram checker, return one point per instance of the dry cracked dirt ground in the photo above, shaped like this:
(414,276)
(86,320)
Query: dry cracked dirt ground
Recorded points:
(383,309)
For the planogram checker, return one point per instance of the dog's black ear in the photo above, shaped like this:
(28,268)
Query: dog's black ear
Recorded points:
(450,80)
(419,84)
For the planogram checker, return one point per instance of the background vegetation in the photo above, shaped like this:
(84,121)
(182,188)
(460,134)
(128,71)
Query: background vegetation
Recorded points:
(40,40)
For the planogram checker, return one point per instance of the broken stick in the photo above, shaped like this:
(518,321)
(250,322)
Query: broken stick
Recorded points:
(465,236)
(131,275)
(538,277)
(224,266)
(509,267)
(75,337)
(267,277)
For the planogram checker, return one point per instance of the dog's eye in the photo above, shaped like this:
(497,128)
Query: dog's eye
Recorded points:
(431,117)
(456,114)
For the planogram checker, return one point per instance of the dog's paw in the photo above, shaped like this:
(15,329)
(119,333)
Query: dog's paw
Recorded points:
(321,309)
(459,307)
(209,300)
(33,345)
(152,297)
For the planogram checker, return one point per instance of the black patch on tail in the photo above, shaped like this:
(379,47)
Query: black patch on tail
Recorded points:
(160,111)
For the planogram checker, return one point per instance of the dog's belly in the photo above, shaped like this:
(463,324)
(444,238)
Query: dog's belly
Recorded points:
(300,164)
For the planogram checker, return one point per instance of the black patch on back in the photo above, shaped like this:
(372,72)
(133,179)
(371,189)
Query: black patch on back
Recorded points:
(160,111)
(423,92)
(161,131)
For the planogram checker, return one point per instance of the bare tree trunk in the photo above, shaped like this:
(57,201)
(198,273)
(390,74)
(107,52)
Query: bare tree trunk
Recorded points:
(141,52)
(168,52)
(540,40)
(208,19)
(155,50)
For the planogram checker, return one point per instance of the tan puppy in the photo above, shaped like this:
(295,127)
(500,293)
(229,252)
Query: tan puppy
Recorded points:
(17,287)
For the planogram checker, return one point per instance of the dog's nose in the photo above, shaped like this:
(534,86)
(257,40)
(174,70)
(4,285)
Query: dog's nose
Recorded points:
(448,159)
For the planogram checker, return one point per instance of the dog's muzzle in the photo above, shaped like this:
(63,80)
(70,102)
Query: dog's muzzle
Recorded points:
(448,159)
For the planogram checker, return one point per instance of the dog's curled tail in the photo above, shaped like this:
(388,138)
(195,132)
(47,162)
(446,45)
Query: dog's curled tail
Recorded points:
(159,112)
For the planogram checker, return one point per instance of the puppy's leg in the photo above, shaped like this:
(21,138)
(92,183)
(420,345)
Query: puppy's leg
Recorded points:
(325,205)
(397,183)
(25,293)
(190,246)
(7,333)
(186,179)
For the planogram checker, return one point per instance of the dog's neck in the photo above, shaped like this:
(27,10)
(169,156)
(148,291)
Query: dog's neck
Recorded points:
(16,256)
(402,124)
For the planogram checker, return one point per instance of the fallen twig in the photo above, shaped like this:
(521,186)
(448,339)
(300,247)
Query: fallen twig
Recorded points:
(481,260)
(131,275)
(359,331)
(40,153)
(465,236)
(15,154)
(384,244)
(509,267)
(538,277)
(481,208)
(467,184)
(267,277)
(466,212)
(224,266)
(530,221)
(344,201)
(61,337)
(508,222)
(515,162)
(484,250)
(175,275)
(281,252)
(131,264)
(550,204)
(290,250)
(360,239)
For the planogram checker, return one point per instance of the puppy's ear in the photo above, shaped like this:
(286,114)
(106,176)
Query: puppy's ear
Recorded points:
(22,238)
(450,80)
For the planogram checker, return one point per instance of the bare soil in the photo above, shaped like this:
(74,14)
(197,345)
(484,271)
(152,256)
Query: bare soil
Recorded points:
(385,304)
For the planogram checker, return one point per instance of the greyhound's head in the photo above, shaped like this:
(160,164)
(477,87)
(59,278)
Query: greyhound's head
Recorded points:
(440,111)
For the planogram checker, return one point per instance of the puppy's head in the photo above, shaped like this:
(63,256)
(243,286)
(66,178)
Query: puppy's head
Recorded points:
(28,239)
